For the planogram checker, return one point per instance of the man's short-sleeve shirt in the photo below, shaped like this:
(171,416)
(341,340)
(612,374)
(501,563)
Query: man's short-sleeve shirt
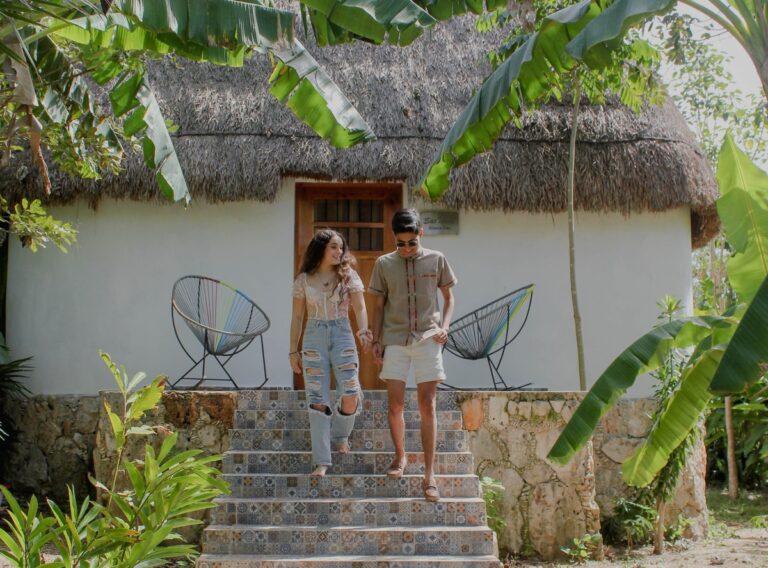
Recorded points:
(411,311)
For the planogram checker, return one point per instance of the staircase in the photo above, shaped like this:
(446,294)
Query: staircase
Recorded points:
(278,516)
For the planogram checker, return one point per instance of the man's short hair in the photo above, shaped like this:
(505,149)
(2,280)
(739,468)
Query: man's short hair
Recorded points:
(406,221)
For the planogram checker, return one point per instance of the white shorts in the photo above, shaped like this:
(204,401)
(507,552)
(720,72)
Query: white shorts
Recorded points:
(425,357)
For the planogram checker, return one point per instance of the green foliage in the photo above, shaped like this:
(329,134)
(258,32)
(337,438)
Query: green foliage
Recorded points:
(493,494)
(727,357)
(12,373)
(583,549)
(759,522)
(52,47)
(31,223)
(138,525)
(676,531)
(631,523)
(750,426)
(706,92)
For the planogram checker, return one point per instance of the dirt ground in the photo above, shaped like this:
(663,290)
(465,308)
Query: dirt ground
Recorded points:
(742,547)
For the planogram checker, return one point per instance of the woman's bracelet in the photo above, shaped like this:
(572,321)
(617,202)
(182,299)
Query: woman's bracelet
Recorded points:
(293,353)
(366,332)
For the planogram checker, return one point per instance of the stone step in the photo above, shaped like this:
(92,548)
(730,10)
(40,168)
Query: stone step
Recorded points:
(381,512)
(274,399)
(278,419)
(311,541)
(360,440)
(356,462)
(346,486)
(378,561)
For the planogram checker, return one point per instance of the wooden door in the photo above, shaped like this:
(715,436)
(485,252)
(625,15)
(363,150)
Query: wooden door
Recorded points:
(362,213)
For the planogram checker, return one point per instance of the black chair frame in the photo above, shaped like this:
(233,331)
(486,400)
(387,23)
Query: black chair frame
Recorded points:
(240,340)
(475,319)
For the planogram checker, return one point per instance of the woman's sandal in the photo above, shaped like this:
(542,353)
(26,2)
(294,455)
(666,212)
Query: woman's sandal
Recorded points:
(396,469)
(430,492)
(320,471)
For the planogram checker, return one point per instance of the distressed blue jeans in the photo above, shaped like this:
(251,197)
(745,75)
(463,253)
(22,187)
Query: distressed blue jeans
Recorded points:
(329,344)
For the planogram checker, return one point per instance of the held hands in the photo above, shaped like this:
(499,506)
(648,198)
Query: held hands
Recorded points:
(365,336)
(441,336)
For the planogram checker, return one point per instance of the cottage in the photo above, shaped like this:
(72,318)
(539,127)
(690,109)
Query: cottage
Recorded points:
(262,182)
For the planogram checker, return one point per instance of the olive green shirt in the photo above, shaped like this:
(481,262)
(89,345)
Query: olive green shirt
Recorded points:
(411,311)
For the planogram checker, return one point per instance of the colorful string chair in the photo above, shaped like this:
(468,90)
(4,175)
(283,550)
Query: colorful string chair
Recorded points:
(223,319)
(487,331)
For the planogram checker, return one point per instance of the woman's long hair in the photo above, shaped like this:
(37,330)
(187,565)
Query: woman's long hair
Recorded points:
(315,252)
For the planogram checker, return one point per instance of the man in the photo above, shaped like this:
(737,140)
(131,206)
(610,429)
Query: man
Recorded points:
(408,334)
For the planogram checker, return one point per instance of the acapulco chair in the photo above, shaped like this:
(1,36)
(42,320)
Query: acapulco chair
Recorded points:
(485,333)
(223,319)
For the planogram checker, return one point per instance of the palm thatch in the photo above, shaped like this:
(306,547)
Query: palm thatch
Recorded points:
(235,141)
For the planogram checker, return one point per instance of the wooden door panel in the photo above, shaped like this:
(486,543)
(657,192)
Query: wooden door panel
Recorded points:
(362,212)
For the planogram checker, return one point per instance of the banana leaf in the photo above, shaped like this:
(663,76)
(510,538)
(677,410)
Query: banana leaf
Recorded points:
(746,357)
(300,82)
(337,21)
(644,355)
(743,210)
(683,411)
(133,94)
(530,74)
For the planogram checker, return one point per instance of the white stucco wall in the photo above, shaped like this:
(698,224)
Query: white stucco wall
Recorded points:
(112,291)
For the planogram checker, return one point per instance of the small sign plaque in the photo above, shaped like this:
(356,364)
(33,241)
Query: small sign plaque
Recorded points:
(440,222)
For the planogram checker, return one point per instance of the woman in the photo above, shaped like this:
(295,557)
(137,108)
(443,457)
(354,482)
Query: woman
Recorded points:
(325,287)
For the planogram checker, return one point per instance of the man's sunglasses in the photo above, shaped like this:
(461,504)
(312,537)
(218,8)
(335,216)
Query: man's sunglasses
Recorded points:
(411,243)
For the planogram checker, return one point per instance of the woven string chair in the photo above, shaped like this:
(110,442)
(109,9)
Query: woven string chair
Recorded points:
(224,320)
(485,332)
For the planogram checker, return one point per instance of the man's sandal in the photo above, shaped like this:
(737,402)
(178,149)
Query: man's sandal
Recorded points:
(396,469)
(431,493)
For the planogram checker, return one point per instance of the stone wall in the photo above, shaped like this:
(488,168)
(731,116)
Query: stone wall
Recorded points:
(51,445)
(545,504)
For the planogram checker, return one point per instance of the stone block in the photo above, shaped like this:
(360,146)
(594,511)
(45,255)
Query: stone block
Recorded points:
(472,413)
(497,411)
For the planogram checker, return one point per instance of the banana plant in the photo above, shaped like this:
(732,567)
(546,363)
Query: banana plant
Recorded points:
(729,353)
(589,31)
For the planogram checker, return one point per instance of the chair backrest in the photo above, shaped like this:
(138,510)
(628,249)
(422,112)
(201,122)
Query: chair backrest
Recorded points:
(219,315)
(487,329)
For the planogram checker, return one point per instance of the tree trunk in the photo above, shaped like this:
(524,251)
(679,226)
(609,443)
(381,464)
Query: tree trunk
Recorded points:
(658,537)
(571,236)
(733,472)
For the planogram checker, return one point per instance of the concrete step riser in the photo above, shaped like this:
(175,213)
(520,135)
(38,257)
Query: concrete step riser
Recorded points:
(345,486)
(364,463)
(295,400)
(351,513)
(311,541)
(360,440)
(221,561)
(367,419)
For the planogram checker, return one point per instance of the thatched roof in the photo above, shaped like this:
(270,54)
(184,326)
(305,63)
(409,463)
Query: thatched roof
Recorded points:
(235,141)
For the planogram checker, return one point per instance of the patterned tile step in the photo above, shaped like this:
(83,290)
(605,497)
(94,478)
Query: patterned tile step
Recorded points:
(449,511)
(296,540)
(370,463)
(360,440)
(368,418)
(378,561)
(346,486)
(292,400)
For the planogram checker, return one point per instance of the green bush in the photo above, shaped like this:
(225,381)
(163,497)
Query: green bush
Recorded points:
(135,526)
(493,492)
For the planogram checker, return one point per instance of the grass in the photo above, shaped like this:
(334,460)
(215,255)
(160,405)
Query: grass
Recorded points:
(740,511)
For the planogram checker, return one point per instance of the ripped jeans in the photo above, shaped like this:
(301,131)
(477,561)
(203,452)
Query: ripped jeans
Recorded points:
(329,344)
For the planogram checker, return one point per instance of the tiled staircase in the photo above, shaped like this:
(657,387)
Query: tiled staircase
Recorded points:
(279,517)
